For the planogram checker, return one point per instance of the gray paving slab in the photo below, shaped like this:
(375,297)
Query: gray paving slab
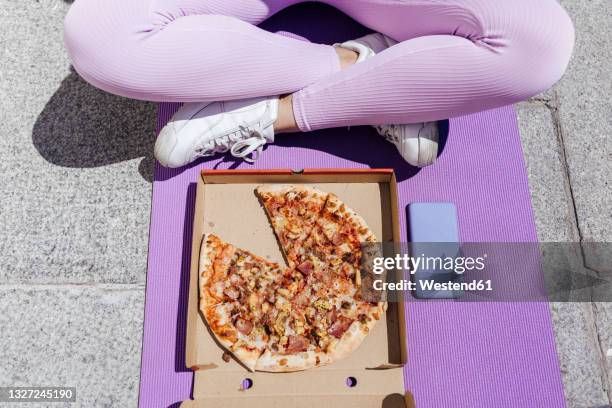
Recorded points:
(603,321)
(576,336)
(580,360)
(76,167)
(584,107)
(88,338)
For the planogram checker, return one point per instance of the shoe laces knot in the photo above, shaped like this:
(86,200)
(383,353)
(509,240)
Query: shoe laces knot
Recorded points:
(389,132)
(245,143)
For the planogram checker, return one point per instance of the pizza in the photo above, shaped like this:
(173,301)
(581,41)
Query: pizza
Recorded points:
(288,318)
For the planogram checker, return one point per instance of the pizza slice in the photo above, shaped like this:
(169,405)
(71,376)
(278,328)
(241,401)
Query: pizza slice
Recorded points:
(335,241)
(334,251)
(236,288)
(292,211)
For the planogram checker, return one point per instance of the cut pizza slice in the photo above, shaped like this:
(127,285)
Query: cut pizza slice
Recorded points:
(335,241)
(292,211)
(236,289)
(355,245)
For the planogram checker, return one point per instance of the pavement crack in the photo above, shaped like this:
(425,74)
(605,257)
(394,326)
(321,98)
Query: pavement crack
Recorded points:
(602,353)
(552,105)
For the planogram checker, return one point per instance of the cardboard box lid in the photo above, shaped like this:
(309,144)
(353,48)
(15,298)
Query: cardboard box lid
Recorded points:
(227,206)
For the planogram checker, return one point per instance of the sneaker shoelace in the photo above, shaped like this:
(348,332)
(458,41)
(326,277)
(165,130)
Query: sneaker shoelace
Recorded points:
(389,132)
(243,143)
(392,132)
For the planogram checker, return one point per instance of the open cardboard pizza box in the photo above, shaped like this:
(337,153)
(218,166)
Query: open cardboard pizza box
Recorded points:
(227,206)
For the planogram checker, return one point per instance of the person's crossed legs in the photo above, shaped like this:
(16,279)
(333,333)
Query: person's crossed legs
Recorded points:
(454,57)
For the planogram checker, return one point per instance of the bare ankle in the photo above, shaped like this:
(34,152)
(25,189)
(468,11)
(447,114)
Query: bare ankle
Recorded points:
(285,122)
(347,57)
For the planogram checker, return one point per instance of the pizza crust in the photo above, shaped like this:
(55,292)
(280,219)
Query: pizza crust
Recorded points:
(348,343)
(336,206)
(282,189)
(356,333)
(248,358)
(225,333)
(279,363)
(215,257)
(228,337)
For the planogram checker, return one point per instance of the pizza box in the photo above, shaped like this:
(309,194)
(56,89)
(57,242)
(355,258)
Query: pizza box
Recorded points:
(372,376)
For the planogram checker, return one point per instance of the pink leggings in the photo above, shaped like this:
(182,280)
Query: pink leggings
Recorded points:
(454,57)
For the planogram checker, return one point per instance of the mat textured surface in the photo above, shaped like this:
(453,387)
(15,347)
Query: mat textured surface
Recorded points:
(460,354)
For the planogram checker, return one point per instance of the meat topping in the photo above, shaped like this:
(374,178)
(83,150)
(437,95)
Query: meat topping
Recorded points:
(244,326)
(337,239)
(232,293)
(296,344)
(301,300)
(340,326)
(305,267)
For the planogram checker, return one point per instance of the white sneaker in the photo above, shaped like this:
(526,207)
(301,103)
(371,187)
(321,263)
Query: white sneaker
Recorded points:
(417,143)
(241,127)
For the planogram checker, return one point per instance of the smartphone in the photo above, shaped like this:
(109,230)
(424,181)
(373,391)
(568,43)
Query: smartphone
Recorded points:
(433,232)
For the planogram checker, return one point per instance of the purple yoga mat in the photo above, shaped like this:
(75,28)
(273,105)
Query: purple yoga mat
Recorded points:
(460,354)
